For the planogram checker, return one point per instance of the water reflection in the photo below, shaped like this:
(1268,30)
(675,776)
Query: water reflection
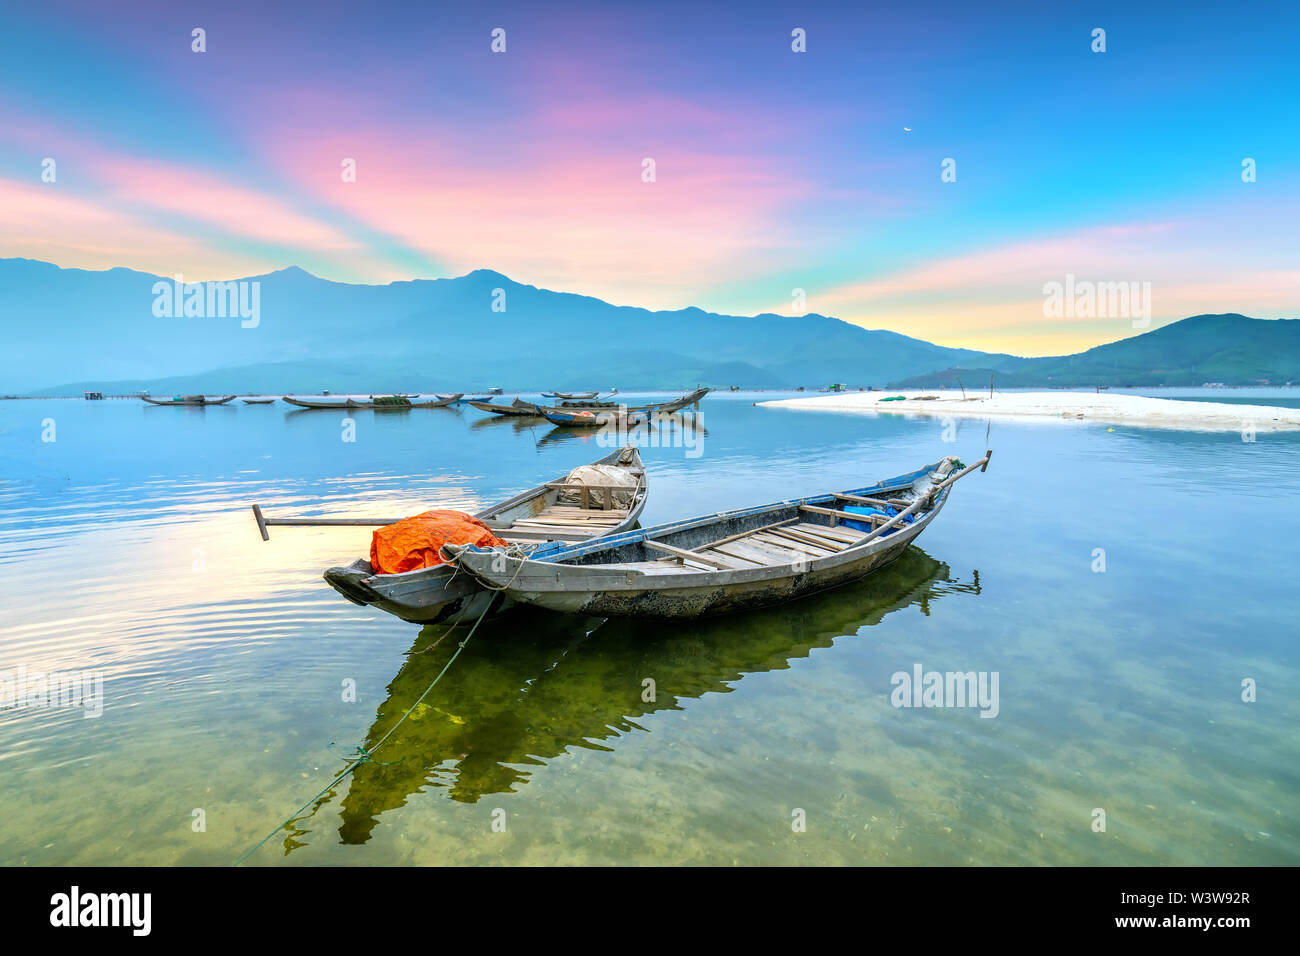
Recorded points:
(533,685)
(674,430)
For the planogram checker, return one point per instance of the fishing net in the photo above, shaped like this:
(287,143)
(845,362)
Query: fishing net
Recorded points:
(414,543)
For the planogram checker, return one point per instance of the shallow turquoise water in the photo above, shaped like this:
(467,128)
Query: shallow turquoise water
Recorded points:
(127,549)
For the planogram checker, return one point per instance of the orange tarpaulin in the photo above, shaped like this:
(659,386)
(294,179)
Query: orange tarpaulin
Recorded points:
(413,543)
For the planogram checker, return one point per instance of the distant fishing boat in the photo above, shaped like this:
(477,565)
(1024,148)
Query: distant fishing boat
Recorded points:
(314,403)
(517,407)
(529,519)
(729,561)
(258,401)
(569,412)
(380,403)
(570,395)
(592,418)
(189,400)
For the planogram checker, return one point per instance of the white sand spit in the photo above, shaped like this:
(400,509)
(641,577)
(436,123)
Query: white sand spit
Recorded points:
(1105,408)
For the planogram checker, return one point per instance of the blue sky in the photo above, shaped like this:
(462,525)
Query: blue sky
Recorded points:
(774,170)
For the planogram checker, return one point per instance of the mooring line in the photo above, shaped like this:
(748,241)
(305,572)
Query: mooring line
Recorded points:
(366,755)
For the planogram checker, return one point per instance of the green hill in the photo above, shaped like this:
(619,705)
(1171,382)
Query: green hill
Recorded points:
(1229,348)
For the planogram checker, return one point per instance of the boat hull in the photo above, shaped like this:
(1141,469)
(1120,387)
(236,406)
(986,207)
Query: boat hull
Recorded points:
(351,404)
(610,409)
(519,408)
(619,597)
(434,595)
(188,402)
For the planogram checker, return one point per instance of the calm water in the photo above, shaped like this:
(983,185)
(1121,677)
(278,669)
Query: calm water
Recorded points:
(127,548)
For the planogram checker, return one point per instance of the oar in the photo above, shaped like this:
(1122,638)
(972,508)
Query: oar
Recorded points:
(264,522)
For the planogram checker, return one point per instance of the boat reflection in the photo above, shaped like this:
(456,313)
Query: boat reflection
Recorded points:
(517,423)
(667,430)
(532,685)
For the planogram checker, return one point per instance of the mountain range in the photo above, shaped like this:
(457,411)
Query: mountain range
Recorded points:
(66,330)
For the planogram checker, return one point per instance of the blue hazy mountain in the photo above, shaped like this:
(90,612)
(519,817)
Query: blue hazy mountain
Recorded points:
(69,329)
(65,329)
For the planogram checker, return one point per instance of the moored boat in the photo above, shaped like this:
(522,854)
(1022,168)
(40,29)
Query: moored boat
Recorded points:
(562,511)
(381,402)
(729,561)
(570,395)
(189,400)
(593,418)
(614,408)
(258,401)
(517,407)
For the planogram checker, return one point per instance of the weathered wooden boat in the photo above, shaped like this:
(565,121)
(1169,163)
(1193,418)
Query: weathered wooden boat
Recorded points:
(731,561)
(517,407)
(597,408)
(438,401)
(528,520)
(570,395)
(189,400)
(316,403)
(372,402)
(258,401)
(593,418)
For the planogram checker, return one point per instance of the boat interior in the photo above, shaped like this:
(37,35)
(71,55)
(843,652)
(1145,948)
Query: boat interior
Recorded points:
(589,509)
(775,536)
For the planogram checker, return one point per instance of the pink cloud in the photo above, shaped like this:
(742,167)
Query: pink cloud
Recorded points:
(232,208)
(557,207)
(47,221)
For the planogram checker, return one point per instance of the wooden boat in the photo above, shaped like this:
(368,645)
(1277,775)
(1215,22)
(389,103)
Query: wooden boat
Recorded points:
(188,400)
(314,403)
(598,408)
(258,401)
(730,561)
(593,418)
(350,403)
(517,407)
(570,395)
(438,401)
(527,520)
(463,399)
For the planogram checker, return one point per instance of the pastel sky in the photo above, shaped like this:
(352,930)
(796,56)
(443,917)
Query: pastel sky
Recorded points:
(775,170)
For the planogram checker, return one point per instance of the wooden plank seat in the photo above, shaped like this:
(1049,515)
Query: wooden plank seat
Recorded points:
(785,542)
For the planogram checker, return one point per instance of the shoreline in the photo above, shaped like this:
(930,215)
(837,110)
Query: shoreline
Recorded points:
(1101,408)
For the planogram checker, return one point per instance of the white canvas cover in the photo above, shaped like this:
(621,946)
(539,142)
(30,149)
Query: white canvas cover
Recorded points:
(595,475)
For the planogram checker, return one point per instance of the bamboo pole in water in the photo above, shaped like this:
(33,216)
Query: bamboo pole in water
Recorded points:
(264,522)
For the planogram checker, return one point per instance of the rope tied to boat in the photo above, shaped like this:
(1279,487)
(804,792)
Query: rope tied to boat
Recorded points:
(517,551)
(367,756)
